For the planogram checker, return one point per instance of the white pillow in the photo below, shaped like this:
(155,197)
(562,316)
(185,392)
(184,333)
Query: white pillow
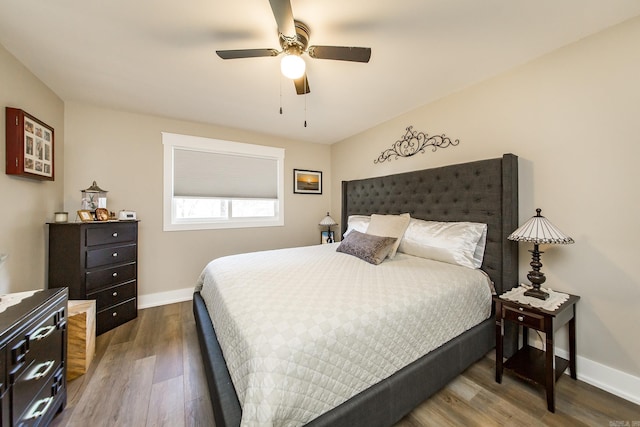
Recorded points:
(458,243)
(478,255)
(358,223)
(389,226)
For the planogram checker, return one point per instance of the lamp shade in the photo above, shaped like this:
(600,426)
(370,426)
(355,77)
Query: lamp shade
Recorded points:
(327,221)
(292,66)
(539,230)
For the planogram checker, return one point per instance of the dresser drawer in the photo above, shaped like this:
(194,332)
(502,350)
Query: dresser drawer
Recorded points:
(111,233)
(113,255)
(31,370)
(39,408)
(114,295)
(524,318)
(99,279)
(117,315)
(40,343)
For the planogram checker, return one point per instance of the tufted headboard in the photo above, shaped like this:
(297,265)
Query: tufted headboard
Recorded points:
(483,191)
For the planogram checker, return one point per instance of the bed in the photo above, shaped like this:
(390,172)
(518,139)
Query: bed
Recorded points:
(484,192)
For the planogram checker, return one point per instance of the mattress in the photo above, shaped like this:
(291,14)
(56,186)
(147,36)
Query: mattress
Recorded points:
(304,329)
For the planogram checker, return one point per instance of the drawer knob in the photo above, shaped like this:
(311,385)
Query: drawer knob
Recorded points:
(115,234)
(115,254)
(115,294)
(520,308)
(115,274)
(520,318)
(114,314)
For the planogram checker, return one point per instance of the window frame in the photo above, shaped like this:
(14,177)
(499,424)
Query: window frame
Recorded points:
(172,142)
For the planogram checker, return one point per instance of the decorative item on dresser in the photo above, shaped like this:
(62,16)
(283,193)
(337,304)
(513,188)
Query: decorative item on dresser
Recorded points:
(94,197)
(538,230)
(97,260)
(33,354)
(327,236)
(61,216)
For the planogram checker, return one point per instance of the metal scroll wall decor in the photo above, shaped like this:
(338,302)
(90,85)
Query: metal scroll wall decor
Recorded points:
(414,142)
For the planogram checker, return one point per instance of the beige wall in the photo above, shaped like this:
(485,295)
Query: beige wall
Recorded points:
(573,118)
(27,204)
(123,152)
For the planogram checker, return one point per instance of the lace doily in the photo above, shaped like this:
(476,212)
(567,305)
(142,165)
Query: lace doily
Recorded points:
(555,300)
(8,300)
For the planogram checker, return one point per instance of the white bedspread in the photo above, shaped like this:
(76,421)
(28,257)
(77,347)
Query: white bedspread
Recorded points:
(304,329)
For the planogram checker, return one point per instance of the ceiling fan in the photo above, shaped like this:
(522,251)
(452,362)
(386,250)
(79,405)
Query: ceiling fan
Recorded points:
(294,41)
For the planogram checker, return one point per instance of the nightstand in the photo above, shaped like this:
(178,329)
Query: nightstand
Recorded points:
(538,366)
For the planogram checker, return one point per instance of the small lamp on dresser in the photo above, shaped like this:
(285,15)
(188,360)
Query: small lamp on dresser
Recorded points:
(328,222)
(538,230)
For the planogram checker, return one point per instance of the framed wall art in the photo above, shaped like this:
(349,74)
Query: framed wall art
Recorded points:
(307,182)
(29,146)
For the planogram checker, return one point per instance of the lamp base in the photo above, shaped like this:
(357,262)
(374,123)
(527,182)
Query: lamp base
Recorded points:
(536,293)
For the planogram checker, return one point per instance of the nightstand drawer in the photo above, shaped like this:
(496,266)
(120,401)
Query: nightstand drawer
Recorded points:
(113,255)
(524,318)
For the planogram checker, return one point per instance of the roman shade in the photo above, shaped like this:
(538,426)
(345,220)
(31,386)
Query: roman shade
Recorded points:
(211,174)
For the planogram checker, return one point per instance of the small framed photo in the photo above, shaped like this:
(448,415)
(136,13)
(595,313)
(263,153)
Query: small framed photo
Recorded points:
(327,237)
(307,182)
(85,216)
(102,214)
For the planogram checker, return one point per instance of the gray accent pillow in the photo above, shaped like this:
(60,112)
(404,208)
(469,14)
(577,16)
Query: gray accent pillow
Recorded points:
(367,247)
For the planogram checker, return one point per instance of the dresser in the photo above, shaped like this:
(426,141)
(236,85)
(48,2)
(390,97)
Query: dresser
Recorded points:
(33,358)
(98,261)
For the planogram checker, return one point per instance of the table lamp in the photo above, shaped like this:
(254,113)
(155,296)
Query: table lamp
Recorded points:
(328,222)
(538,230)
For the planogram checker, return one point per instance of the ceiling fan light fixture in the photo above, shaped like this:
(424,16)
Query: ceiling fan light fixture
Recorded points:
(292,66)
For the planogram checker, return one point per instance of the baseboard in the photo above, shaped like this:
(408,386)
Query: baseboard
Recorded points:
(604,377)
(164,298)
(598,375)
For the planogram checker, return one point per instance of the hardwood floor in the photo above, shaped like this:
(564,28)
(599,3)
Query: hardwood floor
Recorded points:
(148,372)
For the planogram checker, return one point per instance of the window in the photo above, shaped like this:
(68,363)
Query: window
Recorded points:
(210,183)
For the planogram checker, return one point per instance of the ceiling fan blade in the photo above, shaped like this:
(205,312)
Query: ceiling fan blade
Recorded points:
(246,53)
(341,53)
(284,16)
(302,85)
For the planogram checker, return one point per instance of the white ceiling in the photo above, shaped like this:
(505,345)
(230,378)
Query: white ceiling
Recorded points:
(158,56)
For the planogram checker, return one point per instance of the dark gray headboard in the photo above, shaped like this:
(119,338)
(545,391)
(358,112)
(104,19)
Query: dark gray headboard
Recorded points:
(484,191)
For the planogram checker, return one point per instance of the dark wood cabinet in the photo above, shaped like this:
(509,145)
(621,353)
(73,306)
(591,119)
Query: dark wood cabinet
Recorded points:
(33,349)
(97,261)
(29,146)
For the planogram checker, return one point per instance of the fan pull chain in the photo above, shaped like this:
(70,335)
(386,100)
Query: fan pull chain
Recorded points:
(305,102)
(280,95)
